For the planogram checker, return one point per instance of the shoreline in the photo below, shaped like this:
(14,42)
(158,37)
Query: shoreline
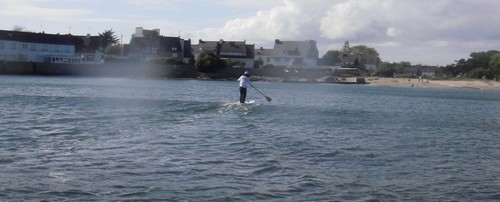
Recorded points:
(429,83)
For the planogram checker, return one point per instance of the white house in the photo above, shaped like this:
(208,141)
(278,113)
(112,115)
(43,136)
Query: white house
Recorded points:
(37,47)
(149,44)
(290,54)
(237,52)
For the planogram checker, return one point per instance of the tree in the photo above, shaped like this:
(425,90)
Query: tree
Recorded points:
(331,58)
(364,54)
(385,69)
(208,62)
(400,67)
(480,59)
(456,69)
(478,65)
(495,63)
(346,50)
(18,28)
(108,38)
(113,50)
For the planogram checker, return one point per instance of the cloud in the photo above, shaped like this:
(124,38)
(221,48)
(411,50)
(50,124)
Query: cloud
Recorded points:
(290,20)
(411,26)
(30,9)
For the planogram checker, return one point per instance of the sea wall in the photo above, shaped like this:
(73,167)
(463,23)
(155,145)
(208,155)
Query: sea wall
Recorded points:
(116,69)
(162,70)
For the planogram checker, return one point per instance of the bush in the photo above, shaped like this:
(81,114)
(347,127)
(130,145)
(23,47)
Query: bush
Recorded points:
(209,62)
(478,73)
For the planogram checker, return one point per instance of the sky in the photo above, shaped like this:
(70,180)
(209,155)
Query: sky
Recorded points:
(428,32)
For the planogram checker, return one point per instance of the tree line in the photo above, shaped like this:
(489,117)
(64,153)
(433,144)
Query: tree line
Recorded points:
(485,64)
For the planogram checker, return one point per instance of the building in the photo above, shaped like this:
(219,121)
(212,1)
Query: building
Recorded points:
(150,45)
(420,70)
(238,52)
(290,54)
(264,55)
(37,47)
(50,48)
(89,48)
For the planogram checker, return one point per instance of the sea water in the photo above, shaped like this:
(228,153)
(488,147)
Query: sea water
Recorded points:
(105,139)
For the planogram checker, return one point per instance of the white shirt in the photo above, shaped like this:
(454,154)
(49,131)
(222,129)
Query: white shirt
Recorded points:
(244,81)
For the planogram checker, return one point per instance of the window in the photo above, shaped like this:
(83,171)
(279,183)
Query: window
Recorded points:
(1,44)
(174,49)
(56,48)
(24,46)
(32,46)
(45,47)
(13,46)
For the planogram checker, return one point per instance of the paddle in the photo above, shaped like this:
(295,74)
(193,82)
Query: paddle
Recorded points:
(267,98)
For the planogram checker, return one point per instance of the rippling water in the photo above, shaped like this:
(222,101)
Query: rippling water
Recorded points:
(70,138)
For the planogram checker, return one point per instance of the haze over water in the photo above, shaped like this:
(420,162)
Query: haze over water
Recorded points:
(72,138)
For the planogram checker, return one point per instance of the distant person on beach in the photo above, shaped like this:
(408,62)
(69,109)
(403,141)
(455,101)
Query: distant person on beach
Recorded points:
(244,84)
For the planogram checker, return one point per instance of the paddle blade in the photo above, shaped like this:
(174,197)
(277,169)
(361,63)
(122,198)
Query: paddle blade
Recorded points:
(268,99)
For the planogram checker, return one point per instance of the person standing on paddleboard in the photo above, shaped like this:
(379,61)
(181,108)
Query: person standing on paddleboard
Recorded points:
(244,84)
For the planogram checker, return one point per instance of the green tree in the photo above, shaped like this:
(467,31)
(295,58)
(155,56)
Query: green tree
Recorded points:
(208,62)
(480,59)
(385,69)
(401,66)
(109,38)
(364,54)
(455,69)
(495,63)
(330,58)
(18,28)
(113,50)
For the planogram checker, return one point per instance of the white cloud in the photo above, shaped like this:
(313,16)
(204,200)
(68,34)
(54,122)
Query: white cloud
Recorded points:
(30,10)
(278,22)
(444,25)
(393,32)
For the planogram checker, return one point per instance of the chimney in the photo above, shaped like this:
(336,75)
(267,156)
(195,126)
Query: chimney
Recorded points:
(157,31)
(138,32)
(312,42)
(277,41)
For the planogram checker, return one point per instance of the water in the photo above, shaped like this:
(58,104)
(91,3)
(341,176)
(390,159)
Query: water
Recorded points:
(71,138)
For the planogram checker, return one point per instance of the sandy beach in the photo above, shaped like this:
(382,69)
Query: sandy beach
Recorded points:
(429,83)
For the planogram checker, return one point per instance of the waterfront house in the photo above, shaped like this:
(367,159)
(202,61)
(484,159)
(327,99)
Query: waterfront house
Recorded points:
(205,46)
(150,45)
(89,48)
(416,71)
(290,54)
(237,52)
(18,46)
(264,55)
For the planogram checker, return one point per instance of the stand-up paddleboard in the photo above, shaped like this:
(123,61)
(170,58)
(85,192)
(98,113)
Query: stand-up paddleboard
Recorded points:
(239,108)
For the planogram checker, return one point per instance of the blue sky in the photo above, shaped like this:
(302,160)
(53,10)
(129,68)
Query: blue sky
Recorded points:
(433,32)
